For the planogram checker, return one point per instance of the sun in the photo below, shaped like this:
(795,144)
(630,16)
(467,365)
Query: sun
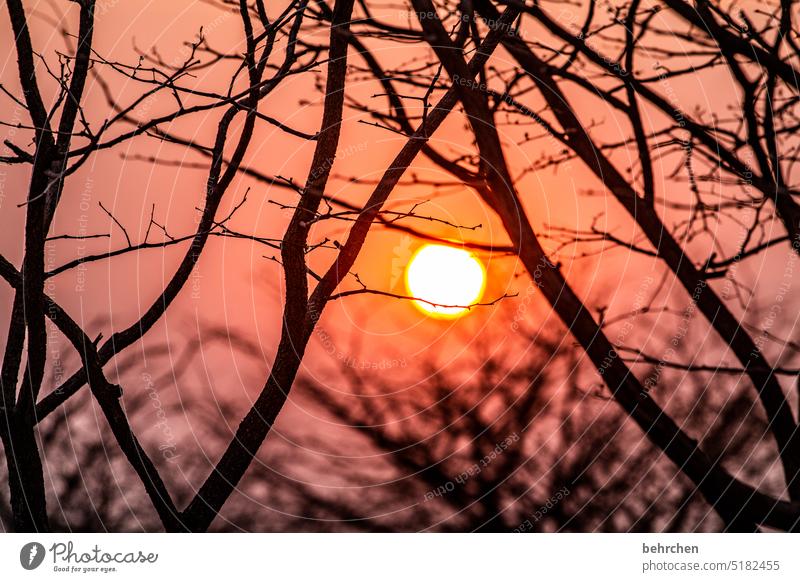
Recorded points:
(450,277)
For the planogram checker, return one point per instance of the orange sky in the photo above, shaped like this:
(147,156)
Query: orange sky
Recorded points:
(235,286)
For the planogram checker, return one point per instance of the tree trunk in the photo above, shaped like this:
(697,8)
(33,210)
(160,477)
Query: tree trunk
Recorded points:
(25,476)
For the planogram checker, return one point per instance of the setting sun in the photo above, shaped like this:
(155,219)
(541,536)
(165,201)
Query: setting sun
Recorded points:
(449,277)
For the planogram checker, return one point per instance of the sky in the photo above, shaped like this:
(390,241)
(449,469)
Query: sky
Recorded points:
(237,287)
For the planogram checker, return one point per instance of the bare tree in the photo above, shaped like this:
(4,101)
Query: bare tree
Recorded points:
(55,158)
(567,60)
(717,170)
(510,448)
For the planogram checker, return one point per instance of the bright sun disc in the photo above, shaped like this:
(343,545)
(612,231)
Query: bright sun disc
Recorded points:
(447,276)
